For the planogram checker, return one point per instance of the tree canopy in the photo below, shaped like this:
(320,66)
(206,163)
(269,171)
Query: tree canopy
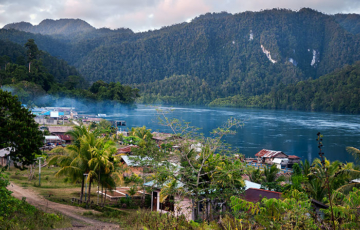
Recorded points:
(18,131)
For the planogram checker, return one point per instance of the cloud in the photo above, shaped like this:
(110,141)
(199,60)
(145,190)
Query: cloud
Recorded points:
(142,15)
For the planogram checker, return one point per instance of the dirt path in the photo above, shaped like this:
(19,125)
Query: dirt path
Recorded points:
(71,211)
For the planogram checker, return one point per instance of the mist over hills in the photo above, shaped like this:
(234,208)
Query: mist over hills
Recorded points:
(248,54)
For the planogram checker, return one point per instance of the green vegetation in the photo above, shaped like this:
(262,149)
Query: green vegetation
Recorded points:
(32,74)
(90,155)
(210,60)
(335,92)
(18,214)
(18,131)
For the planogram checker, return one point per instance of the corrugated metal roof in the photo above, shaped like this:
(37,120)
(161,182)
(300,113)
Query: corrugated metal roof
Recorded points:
(52,138)
(250,184)
(255,195)
(126,149)
(130,160)
(293,157)
(59,129)
(5,151)
(268,153)
(161,136)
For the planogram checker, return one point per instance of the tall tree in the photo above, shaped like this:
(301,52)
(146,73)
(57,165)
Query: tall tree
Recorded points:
(32,51)
(18,131)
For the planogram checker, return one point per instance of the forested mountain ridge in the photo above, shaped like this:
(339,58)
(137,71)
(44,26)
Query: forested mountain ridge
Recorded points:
(338,91)
(250,53)
(38,79)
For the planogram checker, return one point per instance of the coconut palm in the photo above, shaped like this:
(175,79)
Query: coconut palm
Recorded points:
(355,152)
(270,179)
(100,162)
(331,176)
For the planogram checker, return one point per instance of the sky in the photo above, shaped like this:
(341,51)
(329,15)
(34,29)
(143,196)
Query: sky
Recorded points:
(142,15)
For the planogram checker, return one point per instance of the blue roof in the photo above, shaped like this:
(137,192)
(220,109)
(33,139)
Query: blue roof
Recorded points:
(48,113)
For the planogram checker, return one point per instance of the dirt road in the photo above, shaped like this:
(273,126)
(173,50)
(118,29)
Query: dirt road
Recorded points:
(71,211)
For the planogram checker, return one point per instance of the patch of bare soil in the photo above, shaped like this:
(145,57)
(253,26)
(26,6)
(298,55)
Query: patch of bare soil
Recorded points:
(79,222)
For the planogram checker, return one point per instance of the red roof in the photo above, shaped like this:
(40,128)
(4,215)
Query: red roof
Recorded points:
(255,195)
(126,149)
(268,153)
(65,137)
(293,157)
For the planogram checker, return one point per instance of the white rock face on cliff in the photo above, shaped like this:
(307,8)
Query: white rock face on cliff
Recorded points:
(251,36)
(315,57)
(267,53)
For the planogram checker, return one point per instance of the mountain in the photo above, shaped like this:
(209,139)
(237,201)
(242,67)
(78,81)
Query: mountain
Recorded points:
(248,54)
(53,27)
(338,91)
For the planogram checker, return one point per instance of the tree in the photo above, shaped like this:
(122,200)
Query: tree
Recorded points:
(32,51)
(18,131)
(271,180)
(204,174)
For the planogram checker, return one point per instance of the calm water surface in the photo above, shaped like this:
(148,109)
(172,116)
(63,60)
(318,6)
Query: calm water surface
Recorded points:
(292,132)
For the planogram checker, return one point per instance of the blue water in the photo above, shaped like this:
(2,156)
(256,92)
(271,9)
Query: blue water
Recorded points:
(292,132)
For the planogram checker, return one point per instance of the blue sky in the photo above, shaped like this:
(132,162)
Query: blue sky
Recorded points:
(142,15)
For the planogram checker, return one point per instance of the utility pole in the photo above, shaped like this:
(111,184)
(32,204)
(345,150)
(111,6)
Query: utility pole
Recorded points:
(39,158)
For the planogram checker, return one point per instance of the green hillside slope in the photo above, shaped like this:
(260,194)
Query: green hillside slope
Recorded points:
(336,92)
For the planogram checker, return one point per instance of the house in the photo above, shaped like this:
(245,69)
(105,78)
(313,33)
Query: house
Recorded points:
(67,138)
(160,138)
(280,163)
(4,156)
(126,150)
(256,194)
(267,156)
(53,139)
(293,160)
(182,205)
(59,130)
(130,162)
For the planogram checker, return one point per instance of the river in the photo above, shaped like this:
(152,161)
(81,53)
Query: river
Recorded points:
(292,132)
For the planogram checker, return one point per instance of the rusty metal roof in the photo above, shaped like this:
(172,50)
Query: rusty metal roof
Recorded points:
(268,153)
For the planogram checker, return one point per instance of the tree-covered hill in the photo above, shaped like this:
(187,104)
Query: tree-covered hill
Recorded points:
(338,91)
(226,50)
(39,79)
(247,54)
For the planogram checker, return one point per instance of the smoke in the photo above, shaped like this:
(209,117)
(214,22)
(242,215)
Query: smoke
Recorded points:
(81,105)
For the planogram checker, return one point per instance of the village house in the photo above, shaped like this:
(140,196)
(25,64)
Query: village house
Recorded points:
(161,138)
(132,165)
(183,205)
(293,160)
(267,156)
(59,130)
(4,156)
(127,150)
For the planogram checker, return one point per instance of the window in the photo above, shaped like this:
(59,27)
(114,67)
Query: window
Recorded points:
(168,204)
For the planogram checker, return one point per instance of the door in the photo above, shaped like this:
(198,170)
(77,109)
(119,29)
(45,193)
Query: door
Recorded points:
(155,198)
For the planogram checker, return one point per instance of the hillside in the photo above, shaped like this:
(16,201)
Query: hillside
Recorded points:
(338,91)
(248,54)
(38,78)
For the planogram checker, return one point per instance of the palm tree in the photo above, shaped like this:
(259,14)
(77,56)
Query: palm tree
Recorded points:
(142,133)
(100,162)
(271,179)
(355,152)
(332,175)
(256,176)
